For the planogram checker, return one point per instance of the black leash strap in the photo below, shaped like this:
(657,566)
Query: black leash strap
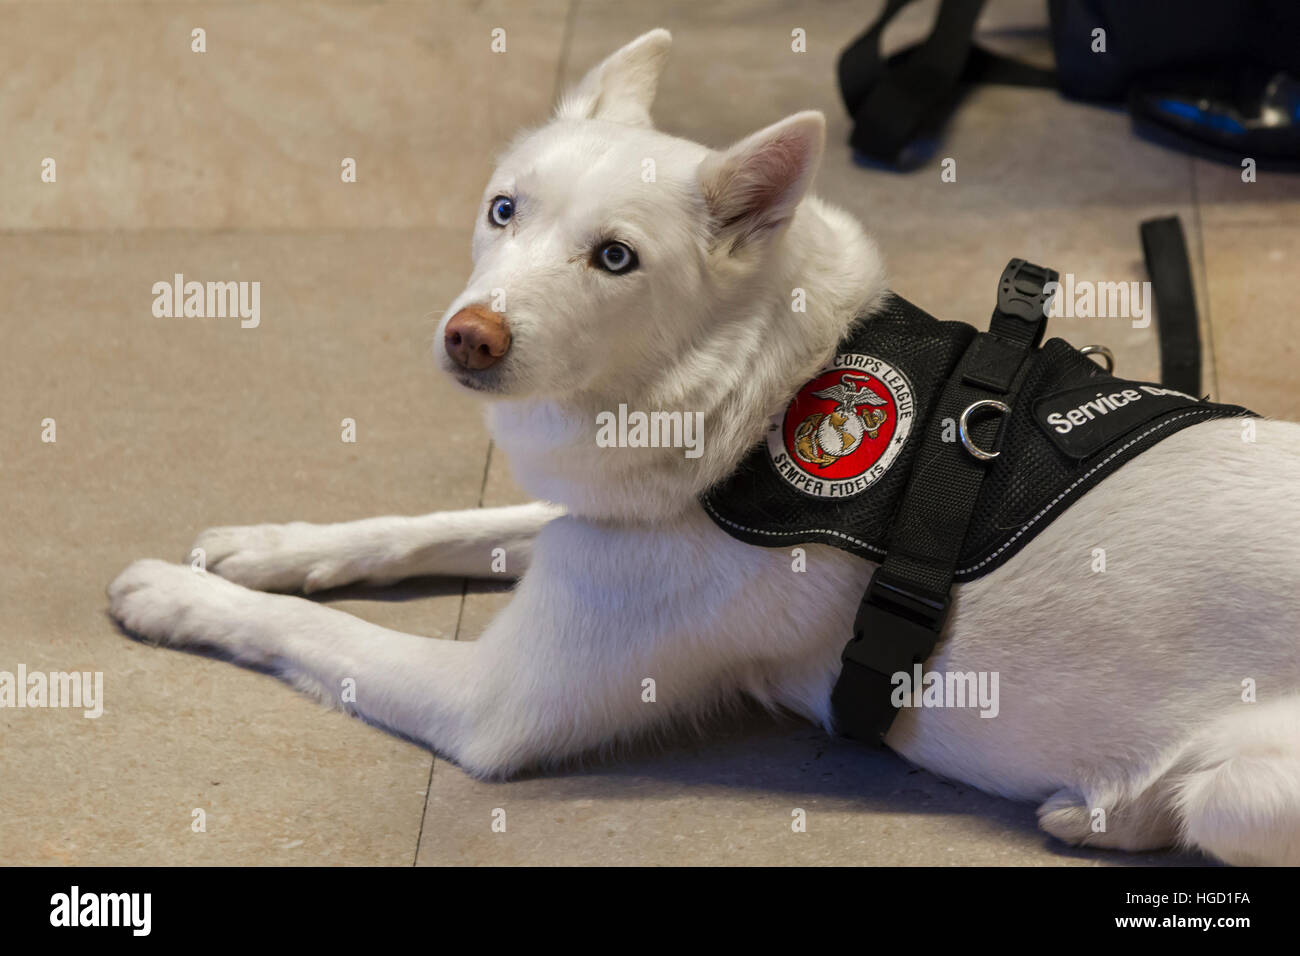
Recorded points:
(1165,251)
(906,605)
(894,102)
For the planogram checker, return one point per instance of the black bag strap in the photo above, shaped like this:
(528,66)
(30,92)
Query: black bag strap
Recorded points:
(906,605)
(1165,251)
(895,101)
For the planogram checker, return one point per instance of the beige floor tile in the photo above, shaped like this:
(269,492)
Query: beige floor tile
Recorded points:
(731,800)
(346,331)
(1226,200)
(166,426)
(251,134)
(1251,273)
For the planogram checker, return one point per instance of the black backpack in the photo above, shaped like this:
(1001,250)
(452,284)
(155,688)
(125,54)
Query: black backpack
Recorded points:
(900,103)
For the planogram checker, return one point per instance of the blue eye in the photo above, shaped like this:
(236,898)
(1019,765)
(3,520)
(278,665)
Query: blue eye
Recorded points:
(616,257)
(500,210)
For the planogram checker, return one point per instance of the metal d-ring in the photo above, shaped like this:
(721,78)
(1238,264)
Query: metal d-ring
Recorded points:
(964,431)
(1103,352)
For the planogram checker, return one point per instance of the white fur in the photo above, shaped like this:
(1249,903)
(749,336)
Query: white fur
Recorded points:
(1119,690)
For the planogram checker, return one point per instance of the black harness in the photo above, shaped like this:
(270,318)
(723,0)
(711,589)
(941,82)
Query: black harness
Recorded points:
(939,451)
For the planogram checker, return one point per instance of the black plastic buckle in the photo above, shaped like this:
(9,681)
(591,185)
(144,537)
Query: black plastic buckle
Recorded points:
(895,627)
(1022,290)
(1023,301)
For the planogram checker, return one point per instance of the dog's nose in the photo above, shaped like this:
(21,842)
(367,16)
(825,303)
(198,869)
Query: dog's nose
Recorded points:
(476,337)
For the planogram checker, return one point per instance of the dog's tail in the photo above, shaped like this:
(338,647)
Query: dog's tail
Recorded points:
(1236,789)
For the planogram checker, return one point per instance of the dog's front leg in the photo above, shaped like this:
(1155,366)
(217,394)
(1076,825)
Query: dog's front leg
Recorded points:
(617,630)
(609,633)
(492,706)
(412,685)
(534,688)
(480,542)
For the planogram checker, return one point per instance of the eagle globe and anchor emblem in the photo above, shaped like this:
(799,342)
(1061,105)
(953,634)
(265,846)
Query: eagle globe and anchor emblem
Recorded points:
(843,429)
(823,437)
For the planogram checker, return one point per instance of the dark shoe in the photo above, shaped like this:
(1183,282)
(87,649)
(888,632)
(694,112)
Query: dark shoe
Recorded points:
(1226,114)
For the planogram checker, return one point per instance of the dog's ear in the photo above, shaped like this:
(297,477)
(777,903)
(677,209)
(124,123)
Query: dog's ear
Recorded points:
(622,87)
(754,186)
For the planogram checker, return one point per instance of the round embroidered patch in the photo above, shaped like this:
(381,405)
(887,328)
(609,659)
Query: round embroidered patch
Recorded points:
(843,429)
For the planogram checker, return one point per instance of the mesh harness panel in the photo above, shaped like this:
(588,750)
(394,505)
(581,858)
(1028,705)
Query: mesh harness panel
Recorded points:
(1035,477)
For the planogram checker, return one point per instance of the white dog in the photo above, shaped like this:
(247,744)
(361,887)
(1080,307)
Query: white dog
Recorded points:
(1120,691)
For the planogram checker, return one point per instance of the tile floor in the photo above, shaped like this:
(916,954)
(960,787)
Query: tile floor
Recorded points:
(227,163)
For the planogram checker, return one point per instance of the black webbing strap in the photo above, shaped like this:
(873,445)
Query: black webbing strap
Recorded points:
(895,101)
(1165,251)
(904,609)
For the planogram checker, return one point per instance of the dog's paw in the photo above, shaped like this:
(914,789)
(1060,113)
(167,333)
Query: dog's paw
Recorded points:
(1065,816)
(176,605)
(280,557)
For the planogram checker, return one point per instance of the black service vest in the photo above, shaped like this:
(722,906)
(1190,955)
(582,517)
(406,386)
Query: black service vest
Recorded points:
(1072,425)
(939,451)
